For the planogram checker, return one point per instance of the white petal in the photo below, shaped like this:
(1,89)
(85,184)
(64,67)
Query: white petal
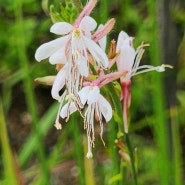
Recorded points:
(102,43)
(83,66)
(88,34)
(93,95)
(61,28)
(58,57)
(64,111)
(121,38)
(83,93)
(97,53)
(88,24)
(59,82)
(105,108)
(126,57)
(47,49)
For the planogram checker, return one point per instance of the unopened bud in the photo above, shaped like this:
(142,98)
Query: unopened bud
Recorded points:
(104,30)
(112,49)
(47,80)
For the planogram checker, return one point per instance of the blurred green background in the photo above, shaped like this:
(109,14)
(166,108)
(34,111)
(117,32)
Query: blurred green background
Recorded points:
(34,152)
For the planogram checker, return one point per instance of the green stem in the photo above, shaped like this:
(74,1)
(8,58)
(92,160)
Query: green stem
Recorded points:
(160,125)
(88,165)
(28,88)
(114,152)
(103,10)
(177,163)
(78,146)
(131,158)
(118,107)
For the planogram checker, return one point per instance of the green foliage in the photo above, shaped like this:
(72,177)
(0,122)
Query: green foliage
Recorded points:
(23,27)
(8,161)
(66,13)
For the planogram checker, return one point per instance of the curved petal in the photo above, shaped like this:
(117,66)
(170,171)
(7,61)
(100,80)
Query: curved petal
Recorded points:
(58,57)
(67,109)
(59,82)
(93,95)
(87,24)
(105,108)
(126,58)
(97,53)
(61,28)
(47,49)
(83,94)
(121,38)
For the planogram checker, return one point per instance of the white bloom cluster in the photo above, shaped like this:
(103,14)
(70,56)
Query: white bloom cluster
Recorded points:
(80,46)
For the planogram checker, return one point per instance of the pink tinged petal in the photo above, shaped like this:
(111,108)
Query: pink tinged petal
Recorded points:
(61,28)
(47,49)
(126,58)
(105,108)
(67,109)
(93,95)
(59,82)
(58,57)
(87,24)
(86,11)
(102,42)
(97,53)
(121,38)
(104,30)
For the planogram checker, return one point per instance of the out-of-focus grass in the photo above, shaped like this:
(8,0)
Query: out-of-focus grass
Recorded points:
(24,26)
(7,155)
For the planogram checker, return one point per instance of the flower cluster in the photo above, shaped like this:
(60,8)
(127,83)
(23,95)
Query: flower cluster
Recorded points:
(80,48)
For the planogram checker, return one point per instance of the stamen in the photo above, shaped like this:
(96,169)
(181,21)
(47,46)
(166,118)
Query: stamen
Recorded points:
(76,32)
(79,110)
(57,123)
(152,68)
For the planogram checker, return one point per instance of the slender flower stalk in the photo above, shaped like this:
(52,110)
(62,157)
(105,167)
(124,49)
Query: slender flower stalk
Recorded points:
(129,60)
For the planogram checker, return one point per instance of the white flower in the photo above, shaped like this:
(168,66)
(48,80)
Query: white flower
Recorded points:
(129,59)
(74,44)
(97,106)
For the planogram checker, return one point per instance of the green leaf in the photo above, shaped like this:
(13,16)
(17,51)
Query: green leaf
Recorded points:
(8,163)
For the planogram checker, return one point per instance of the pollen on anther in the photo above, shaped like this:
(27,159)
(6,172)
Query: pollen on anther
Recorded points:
(76,32)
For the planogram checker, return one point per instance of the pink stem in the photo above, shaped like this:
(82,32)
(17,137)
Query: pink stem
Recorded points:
(126,95)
